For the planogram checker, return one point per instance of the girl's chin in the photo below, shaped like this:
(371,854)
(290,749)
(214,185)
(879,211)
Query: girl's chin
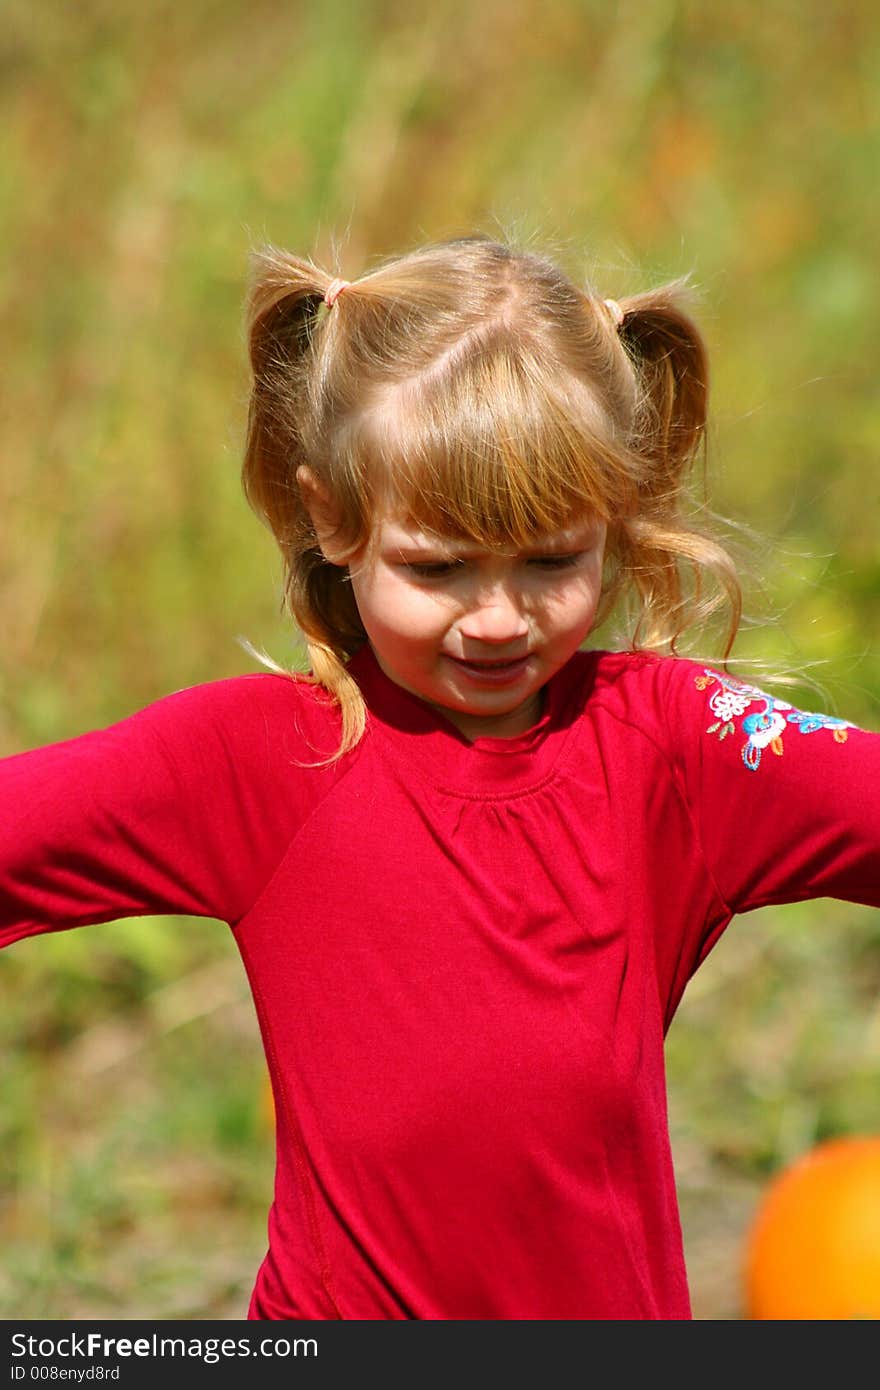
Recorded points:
(488,714)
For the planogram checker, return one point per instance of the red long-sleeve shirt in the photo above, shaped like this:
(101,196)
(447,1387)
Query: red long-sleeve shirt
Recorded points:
(464,956)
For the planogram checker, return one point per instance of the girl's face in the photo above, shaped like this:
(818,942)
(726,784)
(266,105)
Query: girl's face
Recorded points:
(477,633)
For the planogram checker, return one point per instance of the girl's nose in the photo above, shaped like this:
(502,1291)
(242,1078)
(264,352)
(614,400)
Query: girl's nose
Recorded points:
(495,616)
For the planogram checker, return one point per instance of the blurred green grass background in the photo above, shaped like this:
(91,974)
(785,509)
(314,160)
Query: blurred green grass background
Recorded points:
(145,149)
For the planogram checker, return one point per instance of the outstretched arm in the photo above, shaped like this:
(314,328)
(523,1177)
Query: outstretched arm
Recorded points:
(170,810)
(784,804)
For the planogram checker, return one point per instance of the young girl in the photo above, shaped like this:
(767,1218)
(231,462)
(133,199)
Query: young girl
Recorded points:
(469,866)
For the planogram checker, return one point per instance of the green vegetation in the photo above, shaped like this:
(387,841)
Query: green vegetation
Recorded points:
(144,150)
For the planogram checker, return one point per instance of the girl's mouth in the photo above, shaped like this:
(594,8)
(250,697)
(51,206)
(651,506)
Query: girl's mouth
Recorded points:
(492,672)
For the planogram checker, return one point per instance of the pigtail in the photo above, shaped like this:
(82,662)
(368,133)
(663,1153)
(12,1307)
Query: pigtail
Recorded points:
(672,366)
(286,308)
(666,557)
(281,313)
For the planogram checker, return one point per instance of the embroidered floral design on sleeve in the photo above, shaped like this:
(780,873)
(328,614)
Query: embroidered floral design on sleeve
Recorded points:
(764,718)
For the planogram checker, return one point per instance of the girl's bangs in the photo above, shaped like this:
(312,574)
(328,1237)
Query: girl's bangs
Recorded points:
(499,471)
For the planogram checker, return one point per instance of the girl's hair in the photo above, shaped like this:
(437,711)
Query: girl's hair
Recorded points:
(477,392)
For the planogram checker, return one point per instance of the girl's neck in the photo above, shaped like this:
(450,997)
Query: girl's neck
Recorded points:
(511,725)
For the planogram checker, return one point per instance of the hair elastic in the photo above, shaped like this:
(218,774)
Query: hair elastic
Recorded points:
(614,310)
(334,290)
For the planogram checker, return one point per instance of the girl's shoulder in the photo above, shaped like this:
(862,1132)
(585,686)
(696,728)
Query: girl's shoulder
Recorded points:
(254,695)
(259,715)
(697,712)
(673,701)
(651,680)
(636,686)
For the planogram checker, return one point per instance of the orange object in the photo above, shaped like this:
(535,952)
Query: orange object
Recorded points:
(813,1250)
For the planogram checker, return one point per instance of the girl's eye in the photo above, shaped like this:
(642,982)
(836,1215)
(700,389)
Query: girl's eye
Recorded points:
(443,569)
(558,562)
(438,569)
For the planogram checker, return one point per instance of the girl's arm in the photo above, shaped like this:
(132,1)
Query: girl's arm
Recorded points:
(783,805)
(786,803)
(173,809)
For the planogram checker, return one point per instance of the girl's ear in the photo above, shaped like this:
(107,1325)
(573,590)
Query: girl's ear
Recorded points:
(324,514)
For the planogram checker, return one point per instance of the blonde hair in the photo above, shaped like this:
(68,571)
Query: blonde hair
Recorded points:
(486,396)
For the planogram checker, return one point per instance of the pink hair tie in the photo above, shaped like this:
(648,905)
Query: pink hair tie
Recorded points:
(334,290)
(614,310)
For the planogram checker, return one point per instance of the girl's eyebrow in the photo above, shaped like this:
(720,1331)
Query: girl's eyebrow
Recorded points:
(423,544)
(410,544)
(578,538)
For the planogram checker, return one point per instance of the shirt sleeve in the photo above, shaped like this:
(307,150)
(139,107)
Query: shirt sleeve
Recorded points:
(169,811)
(785,803)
